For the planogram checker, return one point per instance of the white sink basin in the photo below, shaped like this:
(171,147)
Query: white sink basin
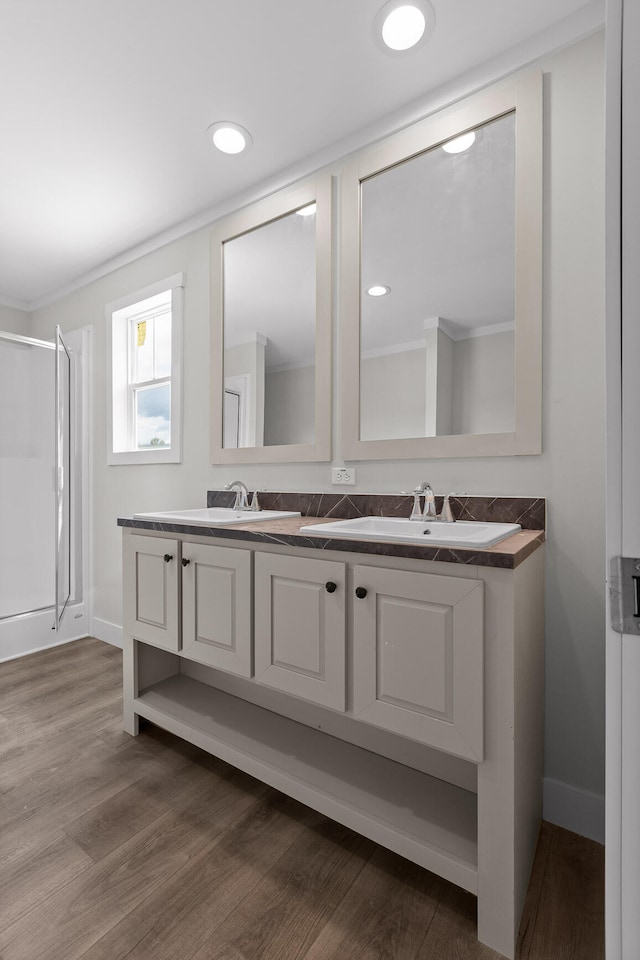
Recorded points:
(208,516)
(462,533)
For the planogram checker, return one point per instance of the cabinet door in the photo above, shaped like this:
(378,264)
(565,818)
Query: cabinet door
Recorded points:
(216,606)
(150,567)
(418,657)
(300,627)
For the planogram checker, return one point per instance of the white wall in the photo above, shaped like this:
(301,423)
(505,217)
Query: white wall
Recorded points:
(289,398)
(483,384)
(569,473)
(391,399)
(473,378)
(13,320)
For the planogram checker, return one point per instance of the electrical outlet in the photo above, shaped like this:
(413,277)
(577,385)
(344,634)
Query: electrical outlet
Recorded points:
(343,475)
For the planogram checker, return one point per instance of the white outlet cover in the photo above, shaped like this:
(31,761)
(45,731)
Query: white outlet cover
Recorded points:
(343,475)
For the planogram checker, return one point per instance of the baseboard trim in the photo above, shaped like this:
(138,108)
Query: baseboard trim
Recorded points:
(28,651)
(109,632)
(577,810)
(28,633)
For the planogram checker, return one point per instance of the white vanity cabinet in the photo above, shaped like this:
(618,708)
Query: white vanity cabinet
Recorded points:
(300,627)
(400,697)
(151,568)
(418,657)
(216,606)
(190,597)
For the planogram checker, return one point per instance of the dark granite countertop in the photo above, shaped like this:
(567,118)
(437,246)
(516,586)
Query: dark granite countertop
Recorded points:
(508,553)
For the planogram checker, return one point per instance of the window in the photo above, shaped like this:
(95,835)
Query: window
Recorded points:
(144,378)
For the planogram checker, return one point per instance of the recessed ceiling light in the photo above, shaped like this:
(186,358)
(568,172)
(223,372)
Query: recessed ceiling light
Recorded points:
(307,211)
(461,143)
(403,27)
(229,137)
(378,290)
(399,26)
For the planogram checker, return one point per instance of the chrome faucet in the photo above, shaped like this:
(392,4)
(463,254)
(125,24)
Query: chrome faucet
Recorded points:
(416,512)
(429,512)
(242,494)
(446,515)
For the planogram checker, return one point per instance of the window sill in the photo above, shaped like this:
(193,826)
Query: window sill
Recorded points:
(143,456)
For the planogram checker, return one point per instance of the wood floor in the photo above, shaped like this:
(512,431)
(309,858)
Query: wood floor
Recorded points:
(114,847)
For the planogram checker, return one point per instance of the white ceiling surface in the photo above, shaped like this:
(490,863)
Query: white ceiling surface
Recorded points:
(104,108)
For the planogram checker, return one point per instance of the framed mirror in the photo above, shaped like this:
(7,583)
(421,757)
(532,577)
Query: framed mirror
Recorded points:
(441,283)
(271,329)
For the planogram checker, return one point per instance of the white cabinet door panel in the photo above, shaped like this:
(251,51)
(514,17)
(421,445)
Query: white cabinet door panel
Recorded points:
(216,607)
(151,566)
(415,657)
(418,657)
(300,627)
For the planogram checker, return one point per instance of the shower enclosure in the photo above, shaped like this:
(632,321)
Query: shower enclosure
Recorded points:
(42,555)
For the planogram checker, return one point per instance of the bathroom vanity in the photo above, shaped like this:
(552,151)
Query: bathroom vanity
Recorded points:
(395,688)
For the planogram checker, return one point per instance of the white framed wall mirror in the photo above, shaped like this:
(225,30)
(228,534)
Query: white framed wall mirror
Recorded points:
(441,283)
(271,329)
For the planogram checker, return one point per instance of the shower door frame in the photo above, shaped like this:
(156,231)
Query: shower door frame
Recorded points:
(34,630)
(63,480)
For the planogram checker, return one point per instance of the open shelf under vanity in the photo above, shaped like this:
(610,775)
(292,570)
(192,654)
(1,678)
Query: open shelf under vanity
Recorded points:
(425,819)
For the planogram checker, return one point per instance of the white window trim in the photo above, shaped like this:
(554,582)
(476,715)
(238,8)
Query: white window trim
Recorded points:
(174,283)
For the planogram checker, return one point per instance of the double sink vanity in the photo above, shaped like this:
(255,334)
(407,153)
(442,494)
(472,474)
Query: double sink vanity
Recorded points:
(379,660)
(388,677)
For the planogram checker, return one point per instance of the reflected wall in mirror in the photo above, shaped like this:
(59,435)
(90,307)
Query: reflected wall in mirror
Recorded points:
(269,309)
(271,329)
(441,283)
(437,347)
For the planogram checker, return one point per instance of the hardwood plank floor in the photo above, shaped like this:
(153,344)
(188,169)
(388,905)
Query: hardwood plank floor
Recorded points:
(149,849)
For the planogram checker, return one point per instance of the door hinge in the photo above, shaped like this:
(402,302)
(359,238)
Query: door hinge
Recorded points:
(624,594)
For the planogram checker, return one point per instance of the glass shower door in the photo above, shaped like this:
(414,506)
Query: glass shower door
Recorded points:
(27,568)
(62,478)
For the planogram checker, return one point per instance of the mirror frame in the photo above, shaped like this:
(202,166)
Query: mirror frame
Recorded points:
(258,214)
(522,93)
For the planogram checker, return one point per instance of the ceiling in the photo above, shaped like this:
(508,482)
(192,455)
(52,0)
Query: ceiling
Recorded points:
(105,107)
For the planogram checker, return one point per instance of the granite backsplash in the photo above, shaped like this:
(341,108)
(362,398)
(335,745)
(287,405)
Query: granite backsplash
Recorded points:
(529,512)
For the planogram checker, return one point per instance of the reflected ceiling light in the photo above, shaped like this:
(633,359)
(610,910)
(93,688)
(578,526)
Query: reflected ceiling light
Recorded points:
(378,290)
(400,25)
(307,211)
(229,137)
(461,143)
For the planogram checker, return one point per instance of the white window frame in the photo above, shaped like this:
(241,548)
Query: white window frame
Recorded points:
(119,389)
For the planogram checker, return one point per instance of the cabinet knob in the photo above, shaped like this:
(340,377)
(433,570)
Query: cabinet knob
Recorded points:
(330,586)
(185,562)
(167,557)
(361,592)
